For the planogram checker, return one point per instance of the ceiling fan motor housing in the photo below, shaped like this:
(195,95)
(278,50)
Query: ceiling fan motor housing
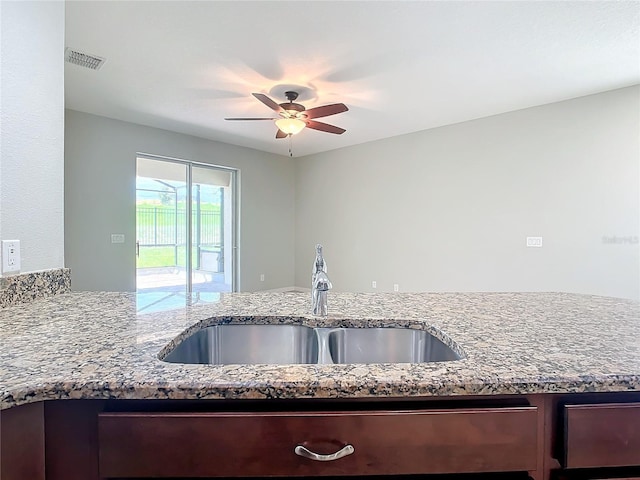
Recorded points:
(293,106)
(291,96)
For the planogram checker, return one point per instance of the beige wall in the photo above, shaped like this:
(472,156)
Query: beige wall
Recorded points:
(449,209)
(446,209)
(32,119)
(100,171)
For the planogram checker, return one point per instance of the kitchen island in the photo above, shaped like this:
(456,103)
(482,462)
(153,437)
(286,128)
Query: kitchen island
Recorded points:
(537,354)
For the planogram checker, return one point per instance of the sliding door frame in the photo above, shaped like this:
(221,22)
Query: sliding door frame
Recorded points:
(235,208)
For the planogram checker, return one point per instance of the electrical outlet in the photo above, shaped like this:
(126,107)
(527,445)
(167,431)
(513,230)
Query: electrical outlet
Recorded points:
(10,256)
(396,287)
(262,277)
(117,238)
(374,284)
(534,241)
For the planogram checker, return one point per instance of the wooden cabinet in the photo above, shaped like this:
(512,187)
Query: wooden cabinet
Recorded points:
(601,435)
(547,437)
(597,436)
(247,444)
(22,443)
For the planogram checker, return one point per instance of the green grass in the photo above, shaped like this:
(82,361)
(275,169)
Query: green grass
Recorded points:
(160,257)
(164,257)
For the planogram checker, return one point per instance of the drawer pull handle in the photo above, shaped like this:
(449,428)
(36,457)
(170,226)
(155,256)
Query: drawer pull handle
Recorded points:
(343,452)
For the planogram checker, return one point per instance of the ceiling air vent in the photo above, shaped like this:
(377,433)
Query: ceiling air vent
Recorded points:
(83,59)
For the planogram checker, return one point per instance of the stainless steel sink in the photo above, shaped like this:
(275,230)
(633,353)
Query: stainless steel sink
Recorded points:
(248,344)
(289,344)
(386,345)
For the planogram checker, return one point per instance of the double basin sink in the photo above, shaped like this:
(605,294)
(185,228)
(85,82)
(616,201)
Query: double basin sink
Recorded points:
(299,344)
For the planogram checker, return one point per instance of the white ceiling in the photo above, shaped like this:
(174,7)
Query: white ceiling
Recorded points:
(399,66)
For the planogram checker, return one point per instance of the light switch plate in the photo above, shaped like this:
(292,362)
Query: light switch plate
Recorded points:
(117,238)
(10,256)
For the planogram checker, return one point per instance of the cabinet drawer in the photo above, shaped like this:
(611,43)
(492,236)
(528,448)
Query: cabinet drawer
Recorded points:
(602,435)
(262,444)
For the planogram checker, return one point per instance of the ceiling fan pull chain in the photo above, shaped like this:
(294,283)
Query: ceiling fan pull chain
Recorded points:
(290,150)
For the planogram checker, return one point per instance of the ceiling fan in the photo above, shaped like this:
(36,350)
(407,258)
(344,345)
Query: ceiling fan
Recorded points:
(293,117)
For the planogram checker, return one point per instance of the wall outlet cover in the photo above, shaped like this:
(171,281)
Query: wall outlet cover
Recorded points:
(10,256)
(534,241)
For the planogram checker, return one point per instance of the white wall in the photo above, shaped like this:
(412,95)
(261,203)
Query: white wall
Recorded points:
(448,209)
(444,209)
(100,162)
(32,131)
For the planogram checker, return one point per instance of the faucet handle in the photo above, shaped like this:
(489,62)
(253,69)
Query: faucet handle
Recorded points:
(322,282)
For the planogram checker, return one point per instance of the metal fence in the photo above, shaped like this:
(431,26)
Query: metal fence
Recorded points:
(163,227)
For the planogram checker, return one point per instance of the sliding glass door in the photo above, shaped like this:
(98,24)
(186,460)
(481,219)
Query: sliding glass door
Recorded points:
(212,214)
(185,225)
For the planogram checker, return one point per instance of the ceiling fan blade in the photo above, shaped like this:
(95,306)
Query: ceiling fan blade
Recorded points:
(326,110)
(268,102)
(250,119)
(324,127)
(281,134)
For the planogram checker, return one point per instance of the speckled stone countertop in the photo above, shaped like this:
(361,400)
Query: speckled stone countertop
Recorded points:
(106,345)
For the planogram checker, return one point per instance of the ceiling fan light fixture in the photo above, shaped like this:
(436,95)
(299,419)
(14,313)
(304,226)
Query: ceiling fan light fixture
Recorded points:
(290,126)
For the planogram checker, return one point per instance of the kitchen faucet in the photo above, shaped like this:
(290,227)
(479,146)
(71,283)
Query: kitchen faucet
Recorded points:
(320,284)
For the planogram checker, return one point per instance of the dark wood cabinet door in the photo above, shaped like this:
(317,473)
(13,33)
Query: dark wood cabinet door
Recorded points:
(22,444)
(263,444)
(602,435)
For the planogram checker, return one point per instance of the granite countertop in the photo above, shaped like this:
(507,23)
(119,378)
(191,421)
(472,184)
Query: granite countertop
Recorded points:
(106,345)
